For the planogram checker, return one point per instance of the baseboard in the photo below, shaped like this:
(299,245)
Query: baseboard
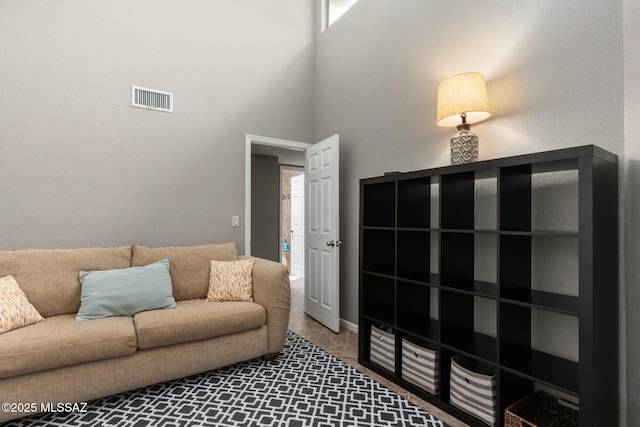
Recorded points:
(353,327)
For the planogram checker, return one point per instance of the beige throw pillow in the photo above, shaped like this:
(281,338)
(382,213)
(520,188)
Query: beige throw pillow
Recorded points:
(231,280)
(15,309)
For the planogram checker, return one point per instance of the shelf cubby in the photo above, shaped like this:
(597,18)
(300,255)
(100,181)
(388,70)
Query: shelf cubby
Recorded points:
(457,201)
(541,270)
(544,367)
(511,262)
(515,198)
(469,262)
(380,251)
(379,201)
(379,298)
(555,264)
(414,255)
(528,340)
(485,264)
(435,202)
(460,329)
(485,203)
(414,196)
(419,314)
(457,260)
(515,264)
(554,197)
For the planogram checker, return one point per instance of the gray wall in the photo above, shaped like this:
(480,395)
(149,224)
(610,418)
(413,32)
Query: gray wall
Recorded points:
(80,167)
(265,207)
(558,76)
(630,184)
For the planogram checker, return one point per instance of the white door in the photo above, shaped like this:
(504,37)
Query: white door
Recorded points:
(322,268)
(297,225)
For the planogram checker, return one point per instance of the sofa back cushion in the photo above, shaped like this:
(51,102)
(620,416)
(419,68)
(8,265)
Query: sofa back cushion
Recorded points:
(49,277)
(190,265)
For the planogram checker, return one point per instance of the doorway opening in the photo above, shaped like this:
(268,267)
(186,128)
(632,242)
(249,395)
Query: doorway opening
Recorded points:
(292,219)
(283,154)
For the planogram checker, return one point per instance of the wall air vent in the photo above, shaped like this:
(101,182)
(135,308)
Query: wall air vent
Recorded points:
(151,99)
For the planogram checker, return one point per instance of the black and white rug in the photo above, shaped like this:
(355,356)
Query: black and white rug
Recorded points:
(305,386)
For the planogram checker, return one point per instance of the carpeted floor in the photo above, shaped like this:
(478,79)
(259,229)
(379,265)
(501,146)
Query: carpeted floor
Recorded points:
(305,386)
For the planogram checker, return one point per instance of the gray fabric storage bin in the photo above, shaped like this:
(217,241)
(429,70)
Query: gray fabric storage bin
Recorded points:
(473,388)
(420,366)
(383,348)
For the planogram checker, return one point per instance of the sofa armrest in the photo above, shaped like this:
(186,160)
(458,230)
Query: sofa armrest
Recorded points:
(272,290)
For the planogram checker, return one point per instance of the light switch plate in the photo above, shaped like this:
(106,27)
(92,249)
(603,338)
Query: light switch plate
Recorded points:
(235,221)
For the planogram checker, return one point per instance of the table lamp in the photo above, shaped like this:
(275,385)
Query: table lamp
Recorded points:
(462,100)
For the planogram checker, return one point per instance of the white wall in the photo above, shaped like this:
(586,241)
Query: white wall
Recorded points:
(80,167)
(555,79)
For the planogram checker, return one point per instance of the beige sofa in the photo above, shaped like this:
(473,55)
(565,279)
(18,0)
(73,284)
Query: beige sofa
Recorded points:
(62,360)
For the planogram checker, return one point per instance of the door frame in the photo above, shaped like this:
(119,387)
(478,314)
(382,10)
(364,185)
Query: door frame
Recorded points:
(260,140)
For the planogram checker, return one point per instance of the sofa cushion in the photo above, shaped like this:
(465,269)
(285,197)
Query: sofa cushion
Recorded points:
(15,309)
(61,341)
(231,280)
(49,277)
(189,265)
(194,320)
(126,291)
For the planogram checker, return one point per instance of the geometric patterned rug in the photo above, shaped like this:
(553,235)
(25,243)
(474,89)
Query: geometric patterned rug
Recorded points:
(304,386)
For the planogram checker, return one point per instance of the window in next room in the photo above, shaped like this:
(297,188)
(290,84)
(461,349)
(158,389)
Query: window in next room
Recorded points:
(332,10)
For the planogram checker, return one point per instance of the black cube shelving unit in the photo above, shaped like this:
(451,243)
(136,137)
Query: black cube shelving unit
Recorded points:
(539,304)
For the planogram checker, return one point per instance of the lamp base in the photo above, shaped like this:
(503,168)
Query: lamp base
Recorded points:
(464,147)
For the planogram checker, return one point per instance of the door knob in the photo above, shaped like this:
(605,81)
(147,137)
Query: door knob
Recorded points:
(331,243)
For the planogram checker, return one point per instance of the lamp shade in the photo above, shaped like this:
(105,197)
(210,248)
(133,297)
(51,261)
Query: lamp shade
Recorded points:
(463,93)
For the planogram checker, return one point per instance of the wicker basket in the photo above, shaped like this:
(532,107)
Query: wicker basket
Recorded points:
(541,409)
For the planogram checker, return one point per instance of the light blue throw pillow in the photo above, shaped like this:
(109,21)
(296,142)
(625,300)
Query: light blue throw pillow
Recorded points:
(126,291)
